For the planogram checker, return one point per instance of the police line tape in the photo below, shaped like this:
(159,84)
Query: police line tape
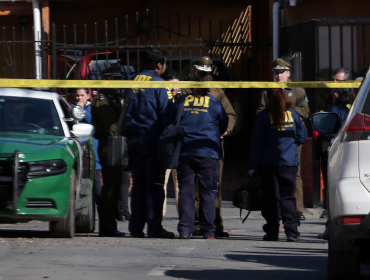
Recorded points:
(33,83)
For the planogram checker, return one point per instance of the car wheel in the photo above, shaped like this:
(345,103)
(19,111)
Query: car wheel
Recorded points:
(66,228)
(342,265)
(86,223)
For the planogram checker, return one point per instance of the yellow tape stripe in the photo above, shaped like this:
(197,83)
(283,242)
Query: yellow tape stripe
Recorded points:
(31,83)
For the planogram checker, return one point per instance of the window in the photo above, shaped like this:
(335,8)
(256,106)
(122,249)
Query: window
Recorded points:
(29,115)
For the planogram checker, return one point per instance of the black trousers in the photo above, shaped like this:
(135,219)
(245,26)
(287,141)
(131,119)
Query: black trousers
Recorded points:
(278,201)
(207,171)
(112,179)
(123,197)
(147,194)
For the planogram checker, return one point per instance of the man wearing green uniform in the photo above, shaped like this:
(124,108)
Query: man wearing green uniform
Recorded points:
(105,109)
(205,64)
(281,70)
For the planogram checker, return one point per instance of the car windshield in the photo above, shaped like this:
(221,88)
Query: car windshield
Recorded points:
(29,115)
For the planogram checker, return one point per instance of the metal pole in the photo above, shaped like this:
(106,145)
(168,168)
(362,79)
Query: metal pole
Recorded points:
(37,35)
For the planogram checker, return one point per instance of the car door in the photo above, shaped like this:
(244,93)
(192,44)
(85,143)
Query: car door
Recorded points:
(83,194)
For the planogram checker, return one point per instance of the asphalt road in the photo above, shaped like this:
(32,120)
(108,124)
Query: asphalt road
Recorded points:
(27,252)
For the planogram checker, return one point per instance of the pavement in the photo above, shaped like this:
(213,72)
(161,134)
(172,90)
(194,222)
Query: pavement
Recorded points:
(27,252)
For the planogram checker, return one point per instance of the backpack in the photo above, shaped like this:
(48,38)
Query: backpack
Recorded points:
(248,196)
(170,142)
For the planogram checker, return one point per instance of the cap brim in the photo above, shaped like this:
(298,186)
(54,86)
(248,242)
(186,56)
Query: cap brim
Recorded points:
(203,68)
(280,68)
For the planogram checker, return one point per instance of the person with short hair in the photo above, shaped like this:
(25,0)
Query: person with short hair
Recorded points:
(147,116)
(106,108)
(203,120)
(281,73)
(277,133)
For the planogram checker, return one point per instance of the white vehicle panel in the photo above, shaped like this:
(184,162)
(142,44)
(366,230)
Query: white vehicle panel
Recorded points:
(18,92)
(343,161)
(348,197)
(364,163)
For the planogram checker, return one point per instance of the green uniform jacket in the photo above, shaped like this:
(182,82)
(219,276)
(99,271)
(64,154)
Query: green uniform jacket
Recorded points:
(105,111)
(296,95)
(220,96)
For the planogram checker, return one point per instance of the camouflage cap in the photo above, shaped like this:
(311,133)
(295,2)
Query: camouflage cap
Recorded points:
(280,64)
(114,70)
(204,64)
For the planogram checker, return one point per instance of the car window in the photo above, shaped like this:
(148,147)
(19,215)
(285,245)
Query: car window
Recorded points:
(29,115)
(65,108)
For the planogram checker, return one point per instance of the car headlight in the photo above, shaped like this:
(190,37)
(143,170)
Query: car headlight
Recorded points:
(78,113)
(46,168)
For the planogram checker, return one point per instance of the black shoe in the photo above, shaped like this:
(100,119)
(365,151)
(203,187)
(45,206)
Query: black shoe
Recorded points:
(267,237)
(114,233)
(324,214)
(163,234)
(221,233)
(300,216)
(197,233)
(137,234)
(324,235)
(184,236)
(293,239)
(127,215)
(121,218)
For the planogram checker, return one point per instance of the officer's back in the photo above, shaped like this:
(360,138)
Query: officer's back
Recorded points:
(204,121)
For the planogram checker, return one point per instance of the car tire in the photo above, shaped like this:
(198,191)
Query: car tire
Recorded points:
(86,223)
(66,228)
(342,264)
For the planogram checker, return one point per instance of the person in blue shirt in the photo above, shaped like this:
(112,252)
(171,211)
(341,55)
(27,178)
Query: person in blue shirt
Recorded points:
(82,99)
(203,120)
(342,100)
(146,117)
(277,133)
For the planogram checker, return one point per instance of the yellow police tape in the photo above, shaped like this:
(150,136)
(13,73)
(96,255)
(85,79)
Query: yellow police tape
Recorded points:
(32,83)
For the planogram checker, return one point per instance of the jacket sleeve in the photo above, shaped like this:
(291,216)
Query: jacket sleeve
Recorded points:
(223,120)
(228,109)
(262,104)
(258,141)
(301,132)
(301,105)
(165,111)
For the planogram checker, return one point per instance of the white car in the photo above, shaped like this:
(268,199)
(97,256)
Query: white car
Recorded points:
(348,186)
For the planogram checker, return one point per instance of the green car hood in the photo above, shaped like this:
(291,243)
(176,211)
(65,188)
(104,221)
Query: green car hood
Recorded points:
(29,143)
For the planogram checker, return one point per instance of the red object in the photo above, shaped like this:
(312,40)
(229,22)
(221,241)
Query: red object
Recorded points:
(349,220)
(360,122)
(315,134)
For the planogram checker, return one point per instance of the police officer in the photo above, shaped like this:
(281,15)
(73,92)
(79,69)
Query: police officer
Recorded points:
(276,134)
(281,72)
(146,118)
(205,64)
(204,121)
(106,109)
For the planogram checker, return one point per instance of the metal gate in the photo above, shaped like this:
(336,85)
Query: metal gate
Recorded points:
(81,52)
(318,47)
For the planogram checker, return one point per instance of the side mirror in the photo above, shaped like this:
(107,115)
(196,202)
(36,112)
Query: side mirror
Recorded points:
(326,122)
(78,113)
(83,130)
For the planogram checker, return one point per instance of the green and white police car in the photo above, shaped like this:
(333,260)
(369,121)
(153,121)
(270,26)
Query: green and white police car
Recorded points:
(47,162)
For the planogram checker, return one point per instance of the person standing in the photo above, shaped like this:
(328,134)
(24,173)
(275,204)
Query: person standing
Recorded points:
(146,117)
(106,109)
(175,93)
(281,72)
(277,133)
(203,120)
(82,99)
(204,64)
